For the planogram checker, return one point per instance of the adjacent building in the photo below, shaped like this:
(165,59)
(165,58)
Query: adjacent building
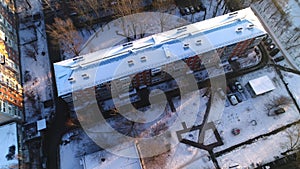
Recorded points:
(209,44)
(11,97)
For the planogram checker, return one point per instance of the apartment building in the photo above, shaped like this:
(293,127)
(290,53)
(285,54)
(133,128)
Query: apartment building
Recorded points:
(150,61)
(11,97)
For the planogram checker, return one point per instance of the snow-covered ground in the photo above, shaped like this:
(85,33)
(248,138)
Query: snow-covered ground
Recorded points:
(9,146)
(242,115)
(293,81)
(151,22)
(104,159)
(182,156)
(35,64)
(184,106)
(262,151)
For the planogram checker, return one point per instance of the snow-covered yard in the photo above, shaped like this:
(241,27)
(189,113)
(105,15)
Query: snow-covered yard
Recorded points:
(262,151)
(9,146)
(251,116)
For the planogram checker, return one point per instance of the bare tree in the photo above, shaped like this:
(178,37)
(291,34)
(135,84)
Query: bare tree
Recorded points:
(88,11)
(163,7)
(124,9)
(293,136)
(278,102)
(65,34)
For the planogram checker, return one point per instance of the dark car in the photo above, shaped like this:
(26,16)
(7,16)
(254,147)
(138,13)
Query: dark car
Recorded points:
(198,8)
(271,47)
(266,37)
(279,111)
(274,52)
(192,9)
(187,11)
(279,58)
(182,11)
(239,97)
(232,87)
(268,41)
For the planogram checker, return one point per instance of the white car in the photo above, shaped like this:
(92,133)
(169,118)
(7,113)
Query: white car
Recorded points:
(233,100)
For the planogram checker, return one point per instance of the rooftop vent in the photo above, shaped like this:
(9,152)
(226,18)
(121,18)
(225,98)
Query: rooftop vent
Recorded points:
(232,14)
(250,26)
(78,58)
(71,80)
(143,59)
(198,42)
(239,29)
(128,45)
(85,76)
(186,46)
(130,62)
(168,54)
(182,29)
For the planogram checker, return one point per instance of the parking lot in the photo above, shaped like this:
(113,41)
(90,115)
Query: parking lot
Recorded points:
(185,3)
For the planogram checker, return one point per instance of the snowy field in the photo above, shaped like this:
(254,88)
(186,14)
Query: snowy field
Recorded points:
(262,151)
(9,146)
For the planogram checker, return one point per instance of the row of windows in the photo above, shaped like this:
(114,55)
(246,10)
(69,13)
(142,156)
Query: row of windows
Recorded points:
(10,109)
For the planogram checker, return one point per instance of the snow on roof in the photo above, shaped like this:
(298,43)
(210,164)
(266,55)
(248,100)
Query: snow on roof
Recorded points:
(105,65)
(262,85)
(9,140)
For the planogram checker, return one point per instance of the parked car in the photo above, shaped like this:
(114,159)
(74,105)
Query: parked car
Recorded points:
(233,100)
(268,41)
(279,111)
(256,50)
(236,131)
(221,93)
(279,58)
(192,9)
(266,37)
(232,87)
(274,52)
(182,11)
(239,97)
(198,8)
(238,86)
(276,111)
(271,47)
(187,11)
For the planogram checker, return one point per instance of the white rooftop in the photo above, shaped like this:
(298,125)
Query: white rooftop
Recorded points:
(262,85)
(105,65)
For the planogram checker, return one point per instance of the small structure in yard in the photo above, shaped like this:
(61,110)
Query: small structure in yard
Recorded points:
(261,85)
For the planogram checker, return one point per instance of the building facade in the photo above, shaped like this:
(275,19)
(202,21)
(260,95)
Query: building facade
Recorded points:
(11,97)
